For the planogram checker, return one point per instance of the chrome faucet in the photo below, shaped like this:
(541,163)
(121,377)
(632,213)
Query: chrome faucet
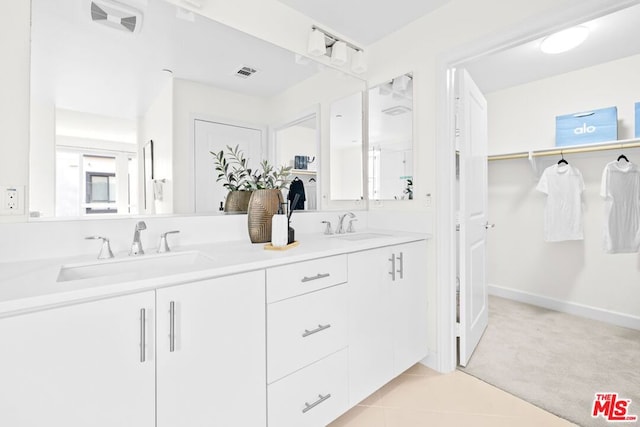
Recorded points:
(164,246)
(136,246)
(105,249)
(340,228)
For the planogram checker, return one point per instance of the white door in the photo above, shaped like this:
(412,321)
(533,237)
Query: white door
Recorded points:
(211,355)
(472,144)
(90,364)
(213,137)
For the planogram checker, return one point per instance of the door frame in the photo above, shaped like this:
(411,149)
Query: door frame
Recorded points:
(533,28)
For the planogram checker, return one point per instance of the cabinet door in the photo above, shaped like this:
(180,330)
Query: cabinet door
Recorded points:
(370,328)
(409,305)
(80,365)
(211,362)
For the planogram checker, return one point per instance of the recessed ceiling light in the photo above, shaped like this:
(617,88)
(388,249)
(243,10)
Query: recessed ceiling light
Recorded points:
(564,40)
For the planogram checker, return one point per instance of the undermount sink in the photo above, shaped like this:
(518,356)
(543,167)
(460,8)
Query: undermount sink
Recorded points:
(141,267)
(360,236)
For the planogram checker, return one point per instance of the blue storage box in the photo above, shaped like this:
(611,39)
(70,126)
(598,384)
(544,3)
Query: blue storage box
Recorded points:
(587,127)
(637,119)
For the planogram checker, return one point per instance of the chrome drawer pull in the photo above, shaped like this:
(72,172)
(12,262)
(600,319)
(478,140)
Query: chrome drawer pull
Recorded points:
(401,269)
(172,326)
(318,329)
(310,406)
(393,267)
(143,337)
(316,277)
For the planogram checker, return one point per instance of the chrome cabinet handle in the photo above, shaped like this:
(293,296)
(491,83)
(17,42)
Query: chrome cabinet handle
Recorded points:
(172,326)
(316,277)
(393,267)
(401,269)
(309,406)
(316,330)
(143,335)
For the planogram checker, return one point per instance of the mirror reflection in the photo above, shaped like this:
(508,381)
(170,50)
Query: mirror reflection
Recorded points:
(101,92)
(346,148)
(391,140)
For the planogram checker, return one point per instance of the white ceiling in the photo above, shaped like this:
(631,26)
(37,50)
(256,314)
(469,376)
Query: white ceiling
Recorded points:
(83,66)
(364,21)
(611,37)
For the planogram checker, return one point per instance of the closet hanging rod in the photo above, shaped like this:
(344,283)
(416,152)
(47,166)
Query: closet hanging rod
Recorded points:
(634,143)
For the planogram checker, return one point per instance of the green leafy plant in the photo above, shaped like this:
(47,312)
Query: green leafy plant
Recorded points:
(270,178)
(236,176)
(233,172)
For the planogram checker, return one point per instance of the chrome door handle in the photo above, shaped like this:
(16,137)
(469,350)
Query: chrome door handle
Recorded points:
(172,326)
(316,277)
(316,330)
(308,406)
(393,267)
(488,226)
(143,335)
(401,269)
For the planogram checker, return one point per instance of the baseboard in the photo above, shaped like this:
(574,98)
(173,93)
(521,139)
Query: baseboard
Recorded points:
(607,316)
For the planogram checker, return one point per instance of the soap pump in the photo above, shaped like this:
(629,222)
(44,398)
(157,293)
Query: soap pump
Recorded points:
(279,228)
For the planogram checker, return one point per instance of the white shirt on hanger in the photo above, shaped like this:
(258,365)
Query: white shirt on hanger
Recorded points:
(621,190)
(563,185)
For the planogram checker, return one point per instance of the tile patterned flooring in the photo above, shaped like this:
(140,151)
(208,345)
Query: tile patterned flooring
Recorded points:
(421,397)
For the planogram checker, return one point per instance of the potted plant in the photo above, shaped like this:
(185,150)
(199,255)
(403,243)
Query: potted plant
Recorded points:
(235,177)
(266,198)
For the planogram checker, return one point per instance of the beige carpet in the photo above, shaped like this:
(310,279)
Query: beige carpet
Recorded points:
(557,361)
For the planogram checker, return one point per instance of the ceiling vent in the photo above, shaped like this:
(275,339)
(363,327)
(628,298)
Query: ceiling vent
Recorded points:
(245,72)
(396,110)
(116,15)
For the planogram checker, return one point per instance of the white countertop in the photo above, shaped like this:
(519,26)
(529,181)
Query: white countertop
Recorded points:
(32,285)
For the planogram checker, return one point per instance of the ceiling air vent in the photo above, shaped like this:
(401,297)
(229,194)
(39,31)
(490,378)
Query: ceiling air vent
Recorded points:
(245,72)
(396,110)
(116,15)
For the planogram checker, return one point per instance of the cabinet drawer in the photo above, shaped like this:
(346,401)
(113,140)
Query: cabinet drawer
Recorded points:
(297,279)
(311,397)
(304,329)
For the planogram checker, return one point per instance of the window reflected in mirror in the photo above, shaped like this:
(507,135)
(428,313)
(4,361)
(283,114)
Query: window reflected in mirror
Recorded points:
(390,157)
(346,148)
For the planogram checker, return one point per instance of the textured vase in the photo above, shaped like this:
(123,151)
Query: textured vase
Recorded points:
(262,206)
(237,201)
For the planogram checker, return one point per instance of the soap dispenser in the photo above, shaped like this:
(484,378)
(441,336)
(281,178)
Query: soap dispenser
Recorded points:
(279,228)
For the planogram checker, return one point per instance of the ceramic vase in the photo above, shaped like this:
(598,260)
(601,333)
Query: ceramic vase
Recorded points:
(262,206)
(237,201)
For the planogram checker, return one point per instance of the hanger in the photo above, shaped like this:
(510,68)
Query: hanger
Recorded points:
(621,157)
(562,160)
(296,179)
(312,180)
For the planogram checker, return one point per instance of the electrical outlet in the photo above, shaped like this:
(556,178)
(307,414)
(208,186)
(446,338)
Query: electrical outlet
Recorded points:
(12,198)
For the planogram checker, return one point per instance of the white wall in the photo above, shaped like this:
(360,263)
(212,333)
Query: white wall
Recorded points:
(577,275)
(295,141)
(15,35)
(191,99)
(157,125)
(522,118)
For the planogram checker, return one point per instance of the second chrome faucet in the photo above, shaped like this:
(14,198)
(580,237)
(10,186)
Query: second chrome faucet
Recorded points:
(136,246)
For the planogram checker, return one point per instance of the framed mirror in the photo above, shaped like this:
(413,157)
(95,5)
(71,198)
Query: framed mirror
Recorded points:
(152,82)
(390,156)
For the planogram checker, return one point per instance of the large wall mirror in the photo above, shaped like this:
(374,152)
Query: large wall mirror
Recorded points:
(390,156)
(102,89)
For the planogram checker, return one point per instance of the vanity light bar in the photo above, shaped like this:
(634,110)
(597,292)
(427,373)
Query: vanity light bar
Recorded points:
(336,39)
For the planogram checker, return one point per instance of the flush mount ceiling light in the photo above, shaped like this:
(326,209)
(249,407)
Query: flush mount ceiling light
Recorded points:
(323,43)
(116,15)
(564,40)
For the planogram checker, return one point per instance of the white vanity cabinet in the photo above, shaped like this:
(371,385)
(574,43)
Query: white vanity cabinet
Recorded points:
(89,364)
(307,342)
(387,315)
(211,353)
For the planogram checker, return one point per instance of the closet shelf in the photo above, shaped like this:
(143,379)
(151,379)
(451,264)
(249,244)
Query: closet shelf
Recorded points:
(557,151)
(302,172)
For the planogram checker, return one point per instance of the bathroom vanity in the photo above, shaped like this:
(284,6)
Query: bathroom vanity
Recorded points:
(247,338)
